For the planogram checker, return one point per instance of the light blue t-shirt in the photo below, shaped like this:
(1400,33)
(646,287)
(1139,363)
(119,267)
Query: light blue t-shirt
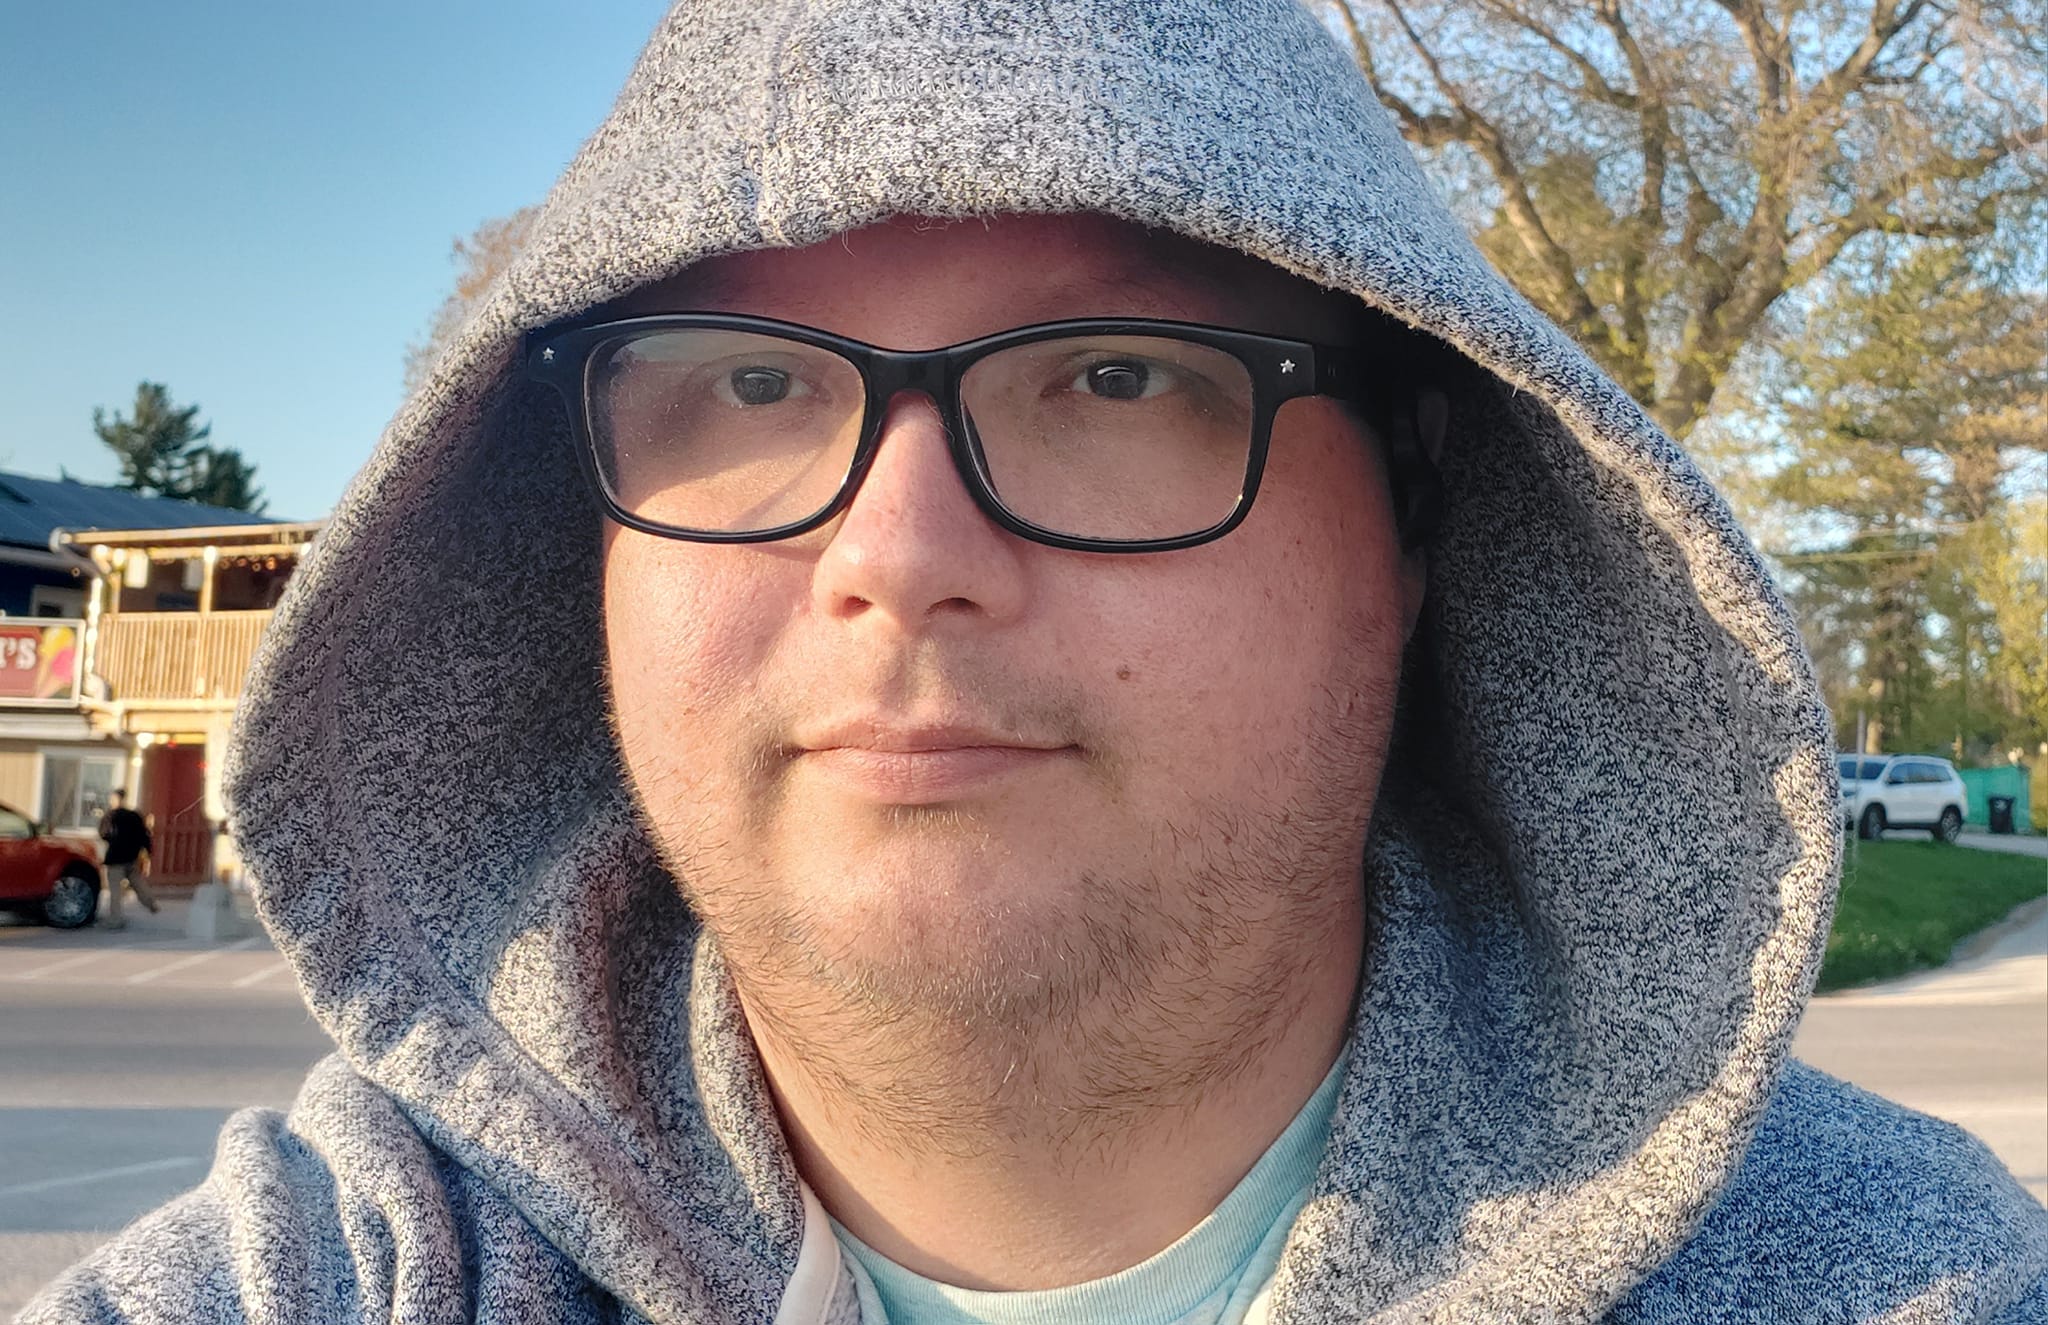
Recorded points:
(1209,1277)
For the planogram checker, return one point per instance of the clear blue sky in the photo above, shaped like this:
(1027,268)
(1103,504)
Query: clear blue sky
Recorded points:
(253,203)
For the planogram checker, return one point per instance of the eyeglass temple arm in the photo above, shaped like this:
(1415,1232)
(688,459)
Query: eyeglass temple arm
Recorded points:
(1340,372)
(1416,486)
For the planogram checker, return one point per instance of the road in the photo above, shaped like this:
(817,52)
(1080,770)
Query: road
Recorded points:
(120,1057)
(122,1054)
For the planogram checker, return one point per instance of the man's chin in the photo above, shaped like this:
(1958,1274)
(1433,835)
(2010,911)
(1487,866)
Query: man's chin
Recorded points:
(945,906)
(931,865)
(957,941)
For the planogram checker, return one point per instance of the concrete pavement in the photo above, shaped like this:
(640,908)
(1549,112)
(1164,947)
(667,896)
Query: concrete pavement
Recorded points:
(2010,843)
(121,1054)
(1967,1042)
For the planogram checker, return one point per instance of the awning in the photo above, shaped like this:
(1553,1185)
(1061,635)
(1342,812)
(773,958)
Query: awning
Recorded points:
(29,725)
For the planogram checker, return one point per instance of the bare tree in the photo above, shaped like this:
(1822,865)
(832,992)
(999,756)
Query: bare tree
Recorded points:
(478,261)
(1656,175)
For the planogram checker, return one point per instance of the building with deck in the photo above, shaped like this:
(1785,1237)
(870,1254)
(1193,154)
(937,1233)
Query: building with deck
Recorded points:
(170,628)
(126,625)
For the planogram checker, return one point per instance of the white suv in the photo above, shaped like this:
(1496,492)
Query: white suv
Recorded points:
(1902,791)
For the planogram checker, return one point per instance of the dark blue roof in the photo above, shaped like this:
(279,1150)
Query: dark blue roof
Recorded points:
(30,508)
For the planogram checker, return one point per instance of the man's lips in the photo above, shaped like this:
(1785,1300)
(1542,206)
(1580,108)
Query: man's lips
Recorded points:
(924,763)
(887,737)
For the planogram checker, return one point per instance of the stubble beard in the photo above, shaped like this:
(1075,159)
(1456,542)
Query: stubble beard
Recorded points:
(1150,989)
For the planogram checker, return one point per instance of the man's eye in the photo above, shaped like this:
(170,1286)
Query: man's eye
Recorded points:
(1122,379)
(761,386)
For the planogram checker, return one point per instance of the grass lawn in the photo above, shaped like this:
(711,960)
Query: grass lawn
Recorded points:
(1906,904)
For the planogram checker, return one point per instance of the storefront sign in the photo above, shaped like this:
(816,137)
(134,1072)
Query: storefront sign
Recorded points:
(39,662)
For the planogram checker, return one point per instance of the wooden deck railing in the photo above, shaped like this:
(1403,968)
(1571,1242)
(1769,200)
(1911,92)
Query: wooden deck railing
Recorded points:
(182,853)
(177,655)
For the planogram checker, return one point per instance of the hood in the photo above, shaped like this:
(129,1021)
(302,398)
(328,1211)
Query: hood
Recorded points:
(1603,867)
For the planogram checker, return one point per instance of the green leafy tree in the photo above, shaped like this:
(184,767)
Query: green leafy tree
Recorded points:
(1801,233)
(1919,413)
(162,450)
(2014,588)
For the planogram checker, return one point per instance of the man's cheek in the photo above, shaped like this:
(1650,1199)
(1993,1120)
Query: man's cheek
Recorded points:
(685,660)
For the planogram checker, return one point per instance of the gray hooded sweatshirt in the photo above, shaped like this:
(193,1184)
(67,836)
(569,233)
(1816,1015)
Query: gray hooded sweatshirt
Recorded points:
(1599,881)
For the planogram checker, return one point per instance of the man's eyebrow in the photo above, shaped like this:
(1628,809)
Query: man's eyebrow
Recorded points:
(699,282)
(1160,268)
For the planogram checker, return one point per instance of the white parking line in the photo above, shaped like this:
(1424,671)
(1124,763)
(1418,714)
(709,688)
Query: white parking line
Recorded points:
(258,976)
(154,972)
(80,1179)
(61,964)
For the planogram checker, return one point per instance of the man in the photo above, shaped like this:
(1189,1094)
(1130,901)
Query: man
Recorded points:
(1064,831)
(126,858)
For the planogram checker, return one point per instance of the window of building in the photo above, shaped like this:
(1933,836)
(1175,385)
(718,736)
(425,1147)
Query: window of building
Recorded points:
(76,789)
(48,600)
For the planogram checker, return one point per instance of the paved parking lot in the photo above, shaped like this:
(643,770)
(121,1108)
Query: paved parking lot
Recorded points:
(120,1056)
(167,962)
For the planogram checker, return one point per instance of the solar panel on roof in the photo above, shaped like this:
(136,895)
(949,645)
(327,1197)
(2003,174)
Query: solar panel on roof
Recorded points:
(33,508)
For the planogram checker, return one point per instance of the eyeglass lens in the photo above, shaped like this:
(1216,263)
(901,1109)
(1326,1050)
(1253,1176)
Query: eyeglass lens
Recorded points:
(1110,437)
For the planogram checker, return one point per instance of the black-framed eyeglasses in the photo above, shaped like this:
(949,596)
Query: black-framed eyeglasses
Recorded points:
(1099,435)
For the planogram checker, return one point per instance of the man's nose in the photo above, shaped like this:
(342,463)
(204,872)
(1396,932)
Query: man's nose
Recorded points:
(913,545)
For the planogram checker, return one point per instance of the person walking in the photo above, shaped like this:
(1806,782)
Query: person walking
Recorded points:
(126,858)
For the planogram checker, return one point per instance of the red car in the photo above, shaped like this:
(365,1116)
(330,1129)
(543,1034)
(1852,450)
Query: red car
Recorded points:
(47,876)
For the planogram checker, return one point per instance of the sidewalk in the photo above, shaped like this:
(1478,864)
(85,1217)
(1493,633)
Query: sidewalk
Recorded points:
(1967,1042)
(2011,844)
(163,931)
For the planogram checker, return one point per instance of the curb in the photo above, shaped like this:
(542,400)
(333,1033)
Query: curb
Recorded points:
(1981,942)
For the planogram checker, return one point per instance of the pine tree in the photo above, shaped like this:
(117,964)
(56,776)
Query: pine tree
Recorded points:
(162,451)
(1919,409)
(152,446)
(221,477)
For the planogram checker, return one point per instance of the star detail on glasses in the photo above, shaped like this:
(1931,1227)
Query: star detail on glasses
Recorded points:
(1287,365)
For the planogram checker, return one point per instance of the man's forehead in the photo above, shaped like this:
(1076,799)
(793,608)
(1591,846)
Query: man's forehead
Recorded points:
(1082,261)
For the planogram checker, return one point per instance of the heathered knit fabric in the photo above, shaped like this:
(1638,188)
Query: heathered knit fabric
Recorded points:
(1599,883)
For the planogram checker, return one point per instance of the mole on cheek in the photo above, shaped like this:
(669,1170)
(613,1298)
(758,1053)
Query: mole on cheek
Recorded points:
(1123,673)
